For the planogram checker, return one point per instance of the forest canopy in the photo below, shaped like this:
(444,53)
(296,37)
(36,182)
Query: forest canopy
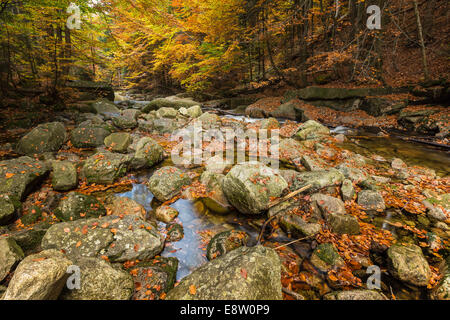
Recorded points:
(199,45)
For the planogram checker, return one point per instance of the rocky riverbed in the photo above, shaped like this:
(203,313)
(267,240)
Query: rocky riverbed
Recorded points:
(98,190)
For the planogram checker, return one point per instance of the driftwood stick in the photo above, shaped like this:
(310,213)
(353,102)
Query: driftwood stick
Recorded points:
(292,242)
(278,201)
(293,294)
(289,196)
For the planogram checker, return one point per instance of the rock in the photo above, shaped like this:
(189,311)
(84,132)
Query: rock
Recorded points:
(19,176)
(175,232)
(164,125)
(325,205)
(167,182)
(326,93)
(269,124)
(7,209)
(325,258)
(289,111)
(317,179)
(434,213)
(166,214)
(118,142)
(311,130)
(123,206)
(216,200)
(76,206)
(225,242)
(194,112)
(340,138)
(170,102)
(442,290)
(217,164)
(39,276)
(290,149)
(166,113)
(440,200)
(208,120)
(254,111)
(48,137)
(105,167)
(355,294)
(131,113)
(250,186)
(377,107)
(354,174)
(119,239)
(105,107)
(297,227)
(407,263)
(10,255)
(100,281)
(242,274)
(124,123)
(97,89)
(333,210)
(89,136)
(398,164)
(155,278)
(310,164)
(371,200)
(64,176)
(347,190)
(29,239)
(148,153)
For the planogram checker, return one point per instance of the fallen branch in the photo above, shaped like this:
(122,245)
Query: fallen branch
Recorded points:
(289,196)
(293,294)
(278,201)
(292,242)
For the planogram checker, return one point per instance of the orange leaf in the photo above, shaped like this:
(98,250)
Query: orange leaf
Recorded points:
(192,289)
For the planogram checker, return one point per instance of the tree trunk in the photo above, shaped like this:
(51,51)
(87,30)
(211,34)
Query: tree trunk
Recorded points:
(422,43)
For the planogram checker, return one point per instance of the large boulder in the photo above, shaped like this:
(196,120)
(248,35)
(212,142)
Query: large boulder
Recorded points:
(215,200)
(100,281)
(167,182)
(317,179)
(123,122)
(19,176)
(122,205)
(311,130)
(77,206)
(48,137)
(242,274)
(294,225)
(105,167)
(10,255)
(407,263)
(290,149)
(39,276)
(166,113)
(148,153)
(371,200)
(105,107)
(7,209)
(169,102)
(118,142)
(120,239)
(333,211)
(89,135)
(250,186)
(95,89)
(64,175)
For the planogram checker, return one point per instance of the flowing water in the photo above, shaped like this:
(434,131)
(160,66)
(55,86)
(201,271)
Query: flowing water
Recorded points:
(199,223)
